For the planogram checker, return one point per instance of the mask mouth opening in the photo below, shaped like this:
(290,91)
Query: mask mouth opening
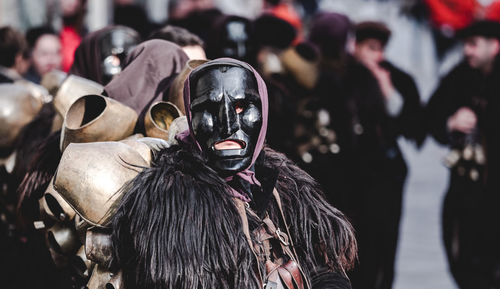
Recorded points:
(229,144)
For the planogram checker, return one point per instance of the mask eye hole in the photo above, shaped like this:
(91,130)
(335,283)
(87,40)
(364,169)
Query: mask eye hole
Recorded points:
(239,107)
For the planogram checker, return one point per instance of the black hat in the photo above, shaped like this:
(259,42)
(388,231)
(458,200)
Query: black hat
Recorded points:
(273,31)
(485,28)
(372,30)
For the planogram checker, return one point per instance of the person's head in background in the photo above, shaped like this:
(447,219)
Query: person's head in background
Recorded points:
(102,54)
(273,36)
(231,36)
(45,50)
(179,9)
(371,39)
(329,32)
(189,42)
(13,50)
(481,44)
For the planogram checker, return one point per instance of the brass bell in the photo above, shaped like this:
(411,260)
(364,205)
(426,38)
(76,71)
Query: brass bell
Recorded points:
(98,246)
(94,118)
(90,176)
(53,80)
(80,264)
(63,239)
(72,88)
(81,227)
(468,152)
(55,206)
(176,93)
(38,91)
(159,117)
(479,156)
(99,278)
(452,158)
(18,106)
(116,281)
(474,174)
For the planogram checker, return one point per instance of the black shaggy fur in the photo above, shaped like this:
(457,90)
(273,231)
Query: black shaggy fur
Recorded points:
(40,171)
(27,145)
(176,226)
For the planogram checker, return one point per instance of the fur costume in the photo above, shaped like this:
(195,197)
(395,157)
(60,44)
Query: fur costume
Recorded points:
(177,226)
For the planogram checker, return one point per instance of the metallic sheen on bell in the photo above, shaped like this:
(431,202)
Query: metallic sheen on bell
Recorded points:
(62,239)
(98,246)
(18,106)
(73,88)
(176,94)
(55,206)
(159,117)
(94,118)
(90,176)
(53,80)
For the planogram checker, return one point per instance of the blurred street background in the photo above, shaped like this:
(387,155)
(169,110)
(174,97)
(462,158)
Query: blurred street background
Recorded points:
(420,260)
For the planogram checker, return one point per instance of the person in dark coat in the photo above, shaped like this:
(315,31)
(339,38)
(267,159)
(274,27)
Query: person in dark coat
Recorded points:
(401,96)
(463,113)
(364,167)
(404,118)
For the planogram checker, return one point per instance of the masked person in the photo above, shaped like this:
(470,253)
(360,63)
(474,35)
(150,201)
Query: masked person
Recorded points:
(219,210)
(231,36)
(463,113)
(101,55)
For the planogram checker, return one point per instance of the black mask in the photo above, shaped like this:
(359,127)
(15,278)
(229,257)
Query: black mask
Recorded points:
(226,116)
(237,42)
(115,46)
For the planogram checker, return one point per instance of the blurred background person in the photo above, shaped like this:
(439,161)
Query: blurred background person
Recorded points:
(13,55)
(400,92)
(365,111)
(45,52)
(73,12)
(405,117)
(189,42)
(101,55)
(463,113)
(131,14)
(231,36)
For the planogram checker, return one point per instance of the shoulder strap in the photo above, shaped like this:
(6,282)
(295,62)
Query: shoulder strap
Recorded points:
(278,201)
(241,207)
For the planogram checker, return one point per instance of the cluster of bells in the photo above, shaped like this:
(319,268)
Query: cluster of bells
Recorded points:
(323,140)
(99,155)
(467,162)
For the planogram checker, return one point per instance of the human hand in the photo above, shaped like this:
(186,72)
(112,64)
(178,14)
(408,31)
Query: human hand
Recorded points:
(383,77)
(463,120)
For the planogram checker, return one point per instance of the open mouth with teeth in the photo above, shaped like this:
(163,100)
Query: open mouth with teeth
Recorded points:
(229,144)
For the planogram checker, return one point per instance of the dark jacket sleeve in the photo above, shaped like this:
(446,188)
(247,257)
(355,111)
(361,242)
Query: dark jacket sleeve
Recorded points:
(410,120)
(446,100)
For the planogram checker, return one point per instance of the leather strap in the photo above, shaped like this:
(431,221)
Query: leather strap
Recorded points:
(278,201)
(241,207)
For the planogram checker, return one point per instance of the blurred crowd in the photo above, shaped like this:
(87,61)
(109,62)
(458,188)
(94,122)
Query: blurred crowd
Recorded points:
(337,107)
